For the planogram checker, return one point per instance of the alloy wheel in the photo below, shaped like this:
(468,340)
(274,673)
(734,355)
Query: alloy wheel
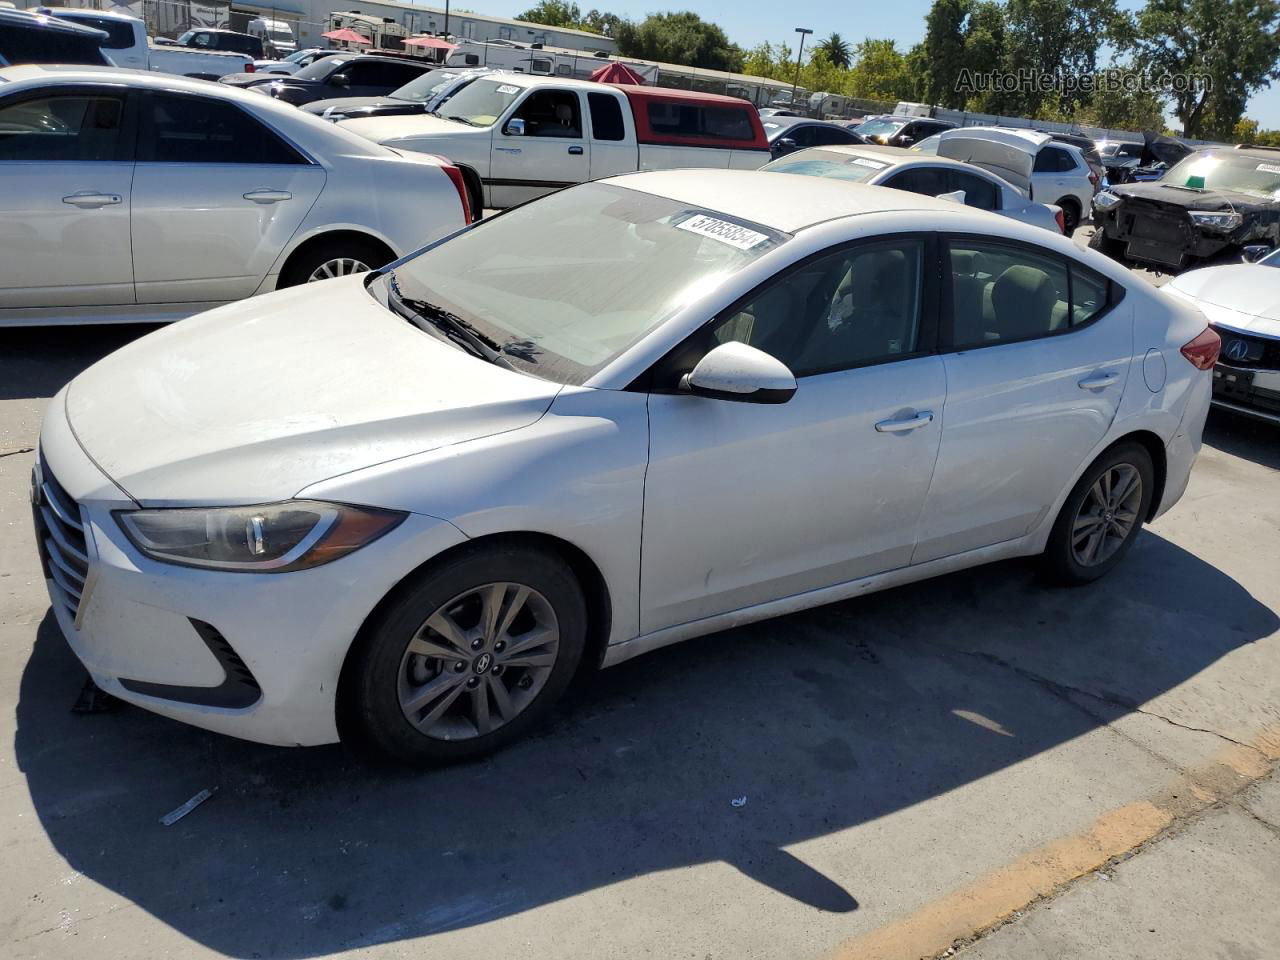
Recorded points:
(1107,515)
(478,661)
(337,267)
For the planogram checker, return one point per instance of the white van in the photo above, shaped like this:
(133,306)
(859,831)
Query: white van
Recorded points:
(277,33)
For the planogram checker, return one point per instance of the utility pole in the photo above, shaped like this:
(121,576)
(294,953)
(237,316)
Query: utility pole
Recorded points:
(446,19)
(803,31)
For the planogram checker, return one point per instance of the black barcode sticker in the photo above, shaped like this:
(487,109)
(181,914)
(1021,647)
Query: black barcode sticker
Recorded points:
(735,235)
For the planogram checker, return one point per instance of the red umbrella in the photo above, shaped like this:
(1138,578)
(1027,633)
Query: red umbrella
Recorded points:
(618,73)
(435,43)
(346,36)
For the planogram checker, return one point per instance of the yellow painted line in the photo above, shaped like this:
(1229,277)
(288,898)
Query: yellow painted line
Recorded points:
(986,902)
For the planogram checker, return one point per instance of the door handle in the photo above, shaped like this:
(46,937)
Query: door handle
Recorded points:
(1098,381)
(88,199)
(268,196)
(575,151)
(921,419)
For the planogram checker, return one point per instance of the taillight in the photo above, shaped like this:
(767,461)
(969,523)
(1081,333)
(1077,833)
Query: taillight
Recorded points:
(250,68)
(459,184)
(1062,221)
(1093,180)
(1203,350)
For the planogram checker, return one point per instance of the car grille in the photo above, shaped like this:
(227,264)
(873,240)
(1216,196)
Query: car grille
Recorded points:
(1159,222)
(1248,352)
(60,537)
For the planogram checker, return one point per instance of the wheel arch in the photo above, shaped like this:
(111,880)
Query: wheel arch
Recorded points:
(595,592)
(329,236)
(475,190)
(1159,463)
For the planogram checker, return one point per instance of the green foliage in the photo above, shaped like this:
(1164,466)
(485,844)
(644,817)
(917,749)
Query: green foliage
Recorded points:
(944,52)
(1235,43)
(836,50)
(553,13)
(681,37)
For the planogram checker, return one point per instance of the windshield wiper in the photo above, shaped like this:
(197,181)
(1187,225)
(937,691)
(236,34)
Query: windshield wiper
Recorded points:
(451,325)
(458,119)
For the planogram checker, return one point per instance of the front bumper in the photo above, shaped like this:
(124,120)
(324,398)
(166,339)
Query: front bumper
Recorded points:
(1165,235)
(256,656)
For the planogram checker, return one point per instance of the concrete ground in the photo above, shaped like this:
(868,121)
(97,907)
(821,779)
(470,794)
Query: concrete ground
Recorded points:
(977,765)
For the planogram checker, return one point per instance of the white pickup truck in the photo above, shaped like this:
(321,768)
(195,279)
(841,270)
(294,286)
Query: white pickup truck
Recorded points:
(516,137)
(127,45)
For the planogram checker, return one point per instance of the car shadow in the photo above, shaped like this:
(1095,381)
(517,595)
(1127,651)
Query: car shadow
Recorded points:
(37,361)
(1254,440)
(812,723)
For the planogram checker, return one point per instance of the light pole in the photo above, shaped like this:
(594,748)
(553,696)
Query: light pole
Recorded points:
(803,31)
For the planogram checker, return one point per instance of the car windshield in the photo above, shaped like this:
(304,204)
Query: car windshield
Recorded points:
(880,127)
(301,54)
(424,87)
(1227,170)
(320,69)
(828,163)
(1272,259)
(481,104)
(567,284)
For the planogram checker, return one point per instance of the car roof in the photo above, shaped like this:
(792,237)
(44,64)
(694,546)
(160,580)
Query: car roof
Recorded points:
(902,157)
(25,18)
(783,203)
(89,12)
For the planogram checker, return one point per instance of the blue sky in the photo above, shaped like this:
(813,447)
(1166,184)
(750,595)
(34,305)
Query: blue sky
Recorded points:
(749,22)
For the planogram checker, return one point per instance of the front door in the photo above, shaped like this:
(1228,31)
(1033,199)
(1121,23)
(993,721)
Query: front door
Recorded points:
(552,153)
(747,503)
(1038,361)
(216,197)
(66,165)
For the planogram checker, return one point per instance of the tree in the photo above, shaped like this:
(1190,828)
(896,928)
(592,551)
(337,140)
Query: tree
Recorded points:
(1116,107)
(944,49)
(880,72)
(836,51)
(1233,44)
(1060,36)
(553,13)
(984,50)
(682,37)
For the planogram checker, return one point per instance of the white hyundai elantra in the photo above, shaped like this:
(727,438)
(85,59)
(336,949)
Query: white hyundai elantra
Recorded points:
(407,507)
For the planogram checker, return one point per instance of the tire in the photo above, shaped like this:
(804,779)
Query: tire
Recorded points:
(385,683)
(1070,215)
(1088,555)
(356,254)
(1108,246)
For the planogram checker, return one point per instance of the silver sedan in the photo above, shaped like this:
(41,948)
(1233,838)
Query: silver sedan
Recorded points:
(129,196)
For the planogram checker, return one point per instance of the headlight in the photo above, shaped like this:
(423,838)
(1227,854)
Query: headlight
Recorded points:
(1216,221)
(1105,200)
(266,538)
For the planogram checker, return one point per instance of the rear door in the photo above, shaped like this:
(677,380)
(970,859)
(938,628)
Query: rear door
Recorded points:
(552,153)
(1036,350)
(613,135)
(216,197)
(66,166)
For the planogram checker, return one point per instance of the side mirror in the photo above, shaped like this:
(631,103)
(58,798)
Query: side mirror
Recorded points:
(1254,252)
(955,196)
(515,127)
(340,80)
(736,371)
(906,141)
(786,145)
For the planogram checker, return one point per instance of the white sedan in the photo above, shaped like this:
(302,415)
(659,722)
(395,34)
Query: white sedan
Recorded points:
(1242,302)
(407,507)
(128,196)
(928,175)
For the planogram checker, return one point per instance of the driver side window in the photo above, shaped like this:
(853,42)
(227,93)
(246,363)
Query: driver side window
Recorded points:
(551,113)
(859,306)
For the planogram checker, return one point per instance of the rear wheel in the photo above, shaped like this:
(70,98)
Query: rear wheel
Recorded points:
(1102,516)
(469,657)
(1109,246)
(1070,215)
(333,258)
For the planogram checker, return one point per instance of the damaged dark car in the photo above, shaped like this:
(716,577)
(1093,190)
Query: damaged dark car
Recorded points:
(1208,206)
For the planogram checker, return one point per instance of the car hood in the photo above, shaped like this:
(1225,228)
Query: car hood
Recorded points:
(346,103)
(252,402)
(1010,158)
(410,127)
(1252,291)
(1188,199)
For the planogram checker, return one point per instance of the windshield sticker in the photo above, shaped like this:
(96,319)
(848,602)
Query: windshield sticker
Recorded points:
(722,230)
(1268,168)
(864,162)
(508,88)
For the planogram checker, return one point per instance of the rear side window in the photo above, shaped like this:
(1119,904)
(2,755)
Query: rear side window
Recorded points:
(119,33)
(979,192)
(1054,160)
(606,117)
(1002,293)
(179,129)
(68,127)
(25,45)
(698,120)
(927,181)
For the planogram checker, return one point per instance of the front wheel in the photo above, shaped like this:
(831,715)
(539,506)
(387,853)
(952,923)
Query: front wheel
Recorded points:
(1101,516)
(469,657)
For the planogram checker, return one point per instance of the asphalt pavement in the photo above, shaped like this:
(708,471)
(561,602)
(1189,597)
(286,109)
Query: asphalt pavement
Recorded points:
(977,766)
